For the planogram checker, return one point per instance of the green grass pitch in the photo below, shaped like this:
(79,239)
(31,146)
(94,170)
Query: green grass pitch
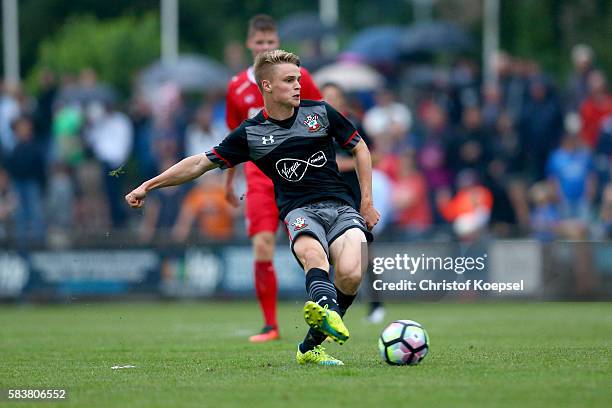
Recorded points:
(196,354)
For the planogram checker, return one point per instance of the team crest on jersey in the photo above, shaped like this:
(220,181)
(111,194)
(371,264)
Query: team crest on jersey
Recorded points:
(312,121)
(299,224)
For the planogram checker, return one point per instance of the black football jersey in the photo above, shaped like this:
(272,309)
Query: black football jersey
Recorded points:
(297,153)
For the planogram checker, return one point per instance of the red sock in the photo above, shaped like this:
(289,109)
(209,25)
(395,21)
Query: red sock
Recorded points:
(266,289)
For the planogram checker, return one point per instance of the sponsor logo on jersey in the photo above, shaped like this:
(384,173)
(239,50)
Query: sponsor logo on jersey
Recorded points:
(299,224)
(266,140)
(295,169)
(312,121)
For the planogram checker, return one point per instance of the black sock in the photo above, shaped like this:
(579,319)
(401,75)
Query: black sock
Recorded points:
(344,301)
(313,339)
(320,289)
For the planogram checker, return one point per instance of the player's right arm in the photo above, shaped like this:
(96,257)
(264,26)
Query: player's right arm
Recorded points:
(186,170)
(234,149)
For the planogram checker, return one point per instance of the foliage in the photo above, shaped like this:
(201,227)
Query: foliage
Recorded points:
(115,48)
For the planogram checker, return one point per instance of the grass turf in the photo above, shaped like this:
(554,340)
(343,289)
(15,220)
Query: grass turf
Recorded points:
(196,354)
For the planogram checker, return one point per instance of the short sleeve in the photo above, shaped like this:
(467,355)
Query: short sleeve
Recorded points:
(232,150)
(341,129)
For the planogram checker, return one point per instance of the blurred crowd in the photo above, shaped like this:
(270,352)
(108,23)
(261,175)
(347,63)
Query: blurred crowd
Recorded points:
(525,156)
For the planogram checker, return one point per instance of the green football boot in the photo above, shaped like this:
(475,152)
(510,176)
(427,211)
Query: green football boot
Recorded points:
(318,355)
(326,321)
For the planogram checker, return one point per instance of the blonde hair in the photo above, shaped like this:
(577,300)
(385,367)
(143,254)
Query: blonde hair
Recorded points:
(265,61)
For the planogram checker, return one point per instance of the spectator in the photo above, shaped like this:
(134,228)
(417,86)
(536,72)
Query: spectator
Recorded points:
(206,205)
(542,125)
(44,106)
(388,122)
(471,146)
(144,150)
(9,111)
(26,166)
(67,145)
(203,132)
(91,213)
(544,218)
(469,210)
(8,204)
(60,202)
(595,108)
(504,177)
(492,106)
(110,138)
(410,198)
(605,213)
(433,153)
(603,152)
(162,210)
(571,173)
(577,85)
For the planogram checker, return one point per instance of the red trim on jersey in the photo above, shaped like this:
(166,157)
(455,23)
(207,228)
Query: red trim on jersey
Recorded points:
(350,138)
(219,156)
(265,113)
(286,223)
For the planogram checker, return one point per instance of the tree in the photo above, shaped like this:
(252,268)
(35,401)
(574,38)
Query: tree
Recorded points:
(115,48)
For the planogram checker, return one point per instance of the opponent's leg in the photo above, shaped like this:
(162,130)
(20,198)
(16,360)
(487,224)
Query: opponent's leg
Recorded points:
(266,286)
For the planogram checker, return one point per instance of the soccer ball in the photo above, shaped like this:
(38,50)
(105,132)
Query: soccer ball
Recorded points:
(403,342)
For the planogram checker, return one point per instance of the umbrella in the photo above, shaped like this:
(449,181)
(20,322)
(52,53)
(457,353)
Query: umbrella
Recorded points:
(351,76)
(189,72)
(86,94)
(377,44)
(303,26)
(433,37)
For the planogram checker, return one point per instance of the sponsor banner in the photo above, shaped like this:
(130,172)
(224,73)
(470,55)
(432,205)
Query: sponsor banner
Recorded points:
(493,269)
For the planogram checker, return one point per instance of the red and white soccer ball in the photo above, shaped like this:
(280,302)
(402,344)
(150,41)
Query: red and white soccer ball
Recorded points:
(403,342)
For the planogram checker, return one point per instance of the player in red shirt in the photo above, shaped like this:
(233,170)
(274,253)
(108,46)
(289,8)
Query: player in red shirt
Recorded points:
(244,101)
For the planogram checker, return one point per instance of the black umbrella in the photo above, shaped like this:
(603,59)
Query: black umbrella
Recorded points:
(435,36)
(189,72)
(303,26)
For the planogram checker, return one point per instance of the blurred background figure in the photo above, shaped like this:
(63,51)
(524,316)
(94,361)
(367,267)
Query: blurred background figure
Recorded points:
(205,205)
(469,210)
(203,132)
(387,122)
(577,84)
(109,135)
(544,216)
(26,165)
(410,199)
(571,173)
(162,212)
(595,108)
(8,204)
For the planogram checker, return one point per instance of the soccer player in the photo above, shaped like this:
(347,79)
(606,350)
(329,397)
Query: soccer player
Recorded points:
(291,141)
(243,101)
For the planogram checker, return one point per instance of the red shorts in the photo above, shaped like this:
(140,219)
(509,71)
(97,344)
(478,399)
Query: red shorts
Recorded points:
(261,211)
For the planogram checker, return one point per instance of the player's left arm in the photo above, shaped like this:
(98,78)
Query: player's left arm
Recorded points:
(344,132)
(363,167)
